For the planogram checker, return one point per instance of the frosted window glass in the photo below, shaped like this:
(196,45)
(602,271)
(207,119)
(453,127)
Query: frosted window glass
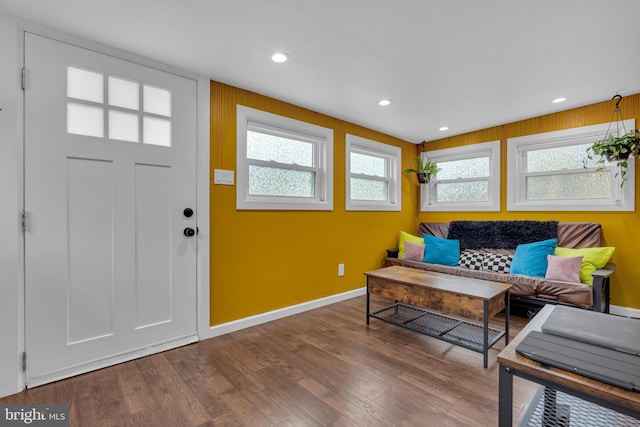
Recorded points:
(553,159)
(369,189)
(123,126)
(464,169)
(86,85)
(157,101)
(124,93)
(368,165)
(85,120)
(588,185)
(262,146)
(470,191)
(156,131)
(268,181)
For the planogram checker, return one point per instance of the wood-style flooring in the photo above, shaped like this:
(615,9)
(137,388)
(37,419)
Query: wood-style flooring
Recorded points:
(324,367)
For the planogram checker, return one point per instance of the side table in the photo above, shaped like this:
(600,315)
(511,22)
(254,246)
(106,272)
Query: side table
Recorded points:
(561,389)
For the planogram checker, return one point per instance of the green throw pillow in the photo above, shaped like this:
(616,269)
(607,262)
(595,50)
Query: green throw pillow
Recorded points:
(592,259)
(409,238)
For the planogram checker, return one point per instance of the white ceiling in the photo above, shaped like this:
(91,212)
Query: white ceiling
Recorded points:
(465,64)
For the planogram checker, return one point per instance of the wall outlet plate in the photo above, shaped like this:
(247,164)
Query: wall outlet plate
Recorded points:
(223,177)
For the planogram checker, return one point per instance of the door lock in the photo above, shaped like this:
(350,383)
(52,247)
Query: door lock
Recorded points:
(189,232)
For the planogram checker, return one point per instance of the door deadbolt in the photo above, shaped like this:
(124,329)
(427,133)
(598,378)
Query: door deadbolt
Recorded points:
(188,212)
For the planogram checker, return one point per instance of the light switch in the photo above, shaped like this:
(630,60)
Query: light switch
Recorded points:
(223,177)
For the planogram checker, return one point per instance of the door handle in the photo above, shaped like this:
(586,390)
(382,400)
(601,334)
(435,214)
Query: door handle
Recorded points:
(189,232)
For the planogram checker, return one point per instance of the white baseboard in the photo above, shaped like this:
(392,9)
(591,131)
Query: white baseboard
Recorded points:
(258,319)
(624,311)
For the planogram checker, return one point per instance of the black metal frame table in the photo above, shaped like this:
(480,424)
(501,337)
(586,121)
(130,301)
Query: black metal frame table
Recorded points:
(425,302)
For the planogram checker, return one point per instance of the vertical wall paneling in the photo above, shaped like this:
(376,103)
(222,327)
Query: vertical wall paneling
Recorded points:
(267,260)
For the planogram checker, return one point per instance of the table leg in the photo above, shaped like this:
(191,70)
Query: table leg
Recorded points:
(505,396)
(507,303)
(486,333)
(368,300)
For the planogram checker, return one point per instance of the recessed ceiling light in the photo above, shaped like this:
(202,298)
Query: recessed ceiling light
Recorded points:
(384,102)
(279,57)
(558,100)
(443,128)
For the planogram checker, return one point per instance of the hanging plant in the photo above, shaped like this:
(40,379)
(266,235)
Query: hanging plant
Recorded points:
(616,149)
(425,169)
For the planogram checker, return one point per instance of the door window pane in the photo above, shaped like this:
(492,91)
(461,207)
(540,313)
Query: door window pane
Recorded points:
(85,119)
(84,84)
(157,131)
(157,101)
(123,126)
(124,93)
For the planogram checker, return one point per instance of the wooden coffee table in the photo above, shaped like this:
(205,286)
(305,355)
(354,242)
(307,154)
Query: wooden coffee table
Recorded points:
(425,302)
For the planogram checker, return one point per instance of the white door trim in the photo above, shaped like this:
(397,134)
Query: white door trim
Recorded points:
(17,347)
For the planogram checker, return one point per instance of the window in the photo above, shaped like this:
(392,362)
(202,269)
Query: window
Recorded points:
(120,117)
(550,172)
(282,164)
(373,175)
(468,179)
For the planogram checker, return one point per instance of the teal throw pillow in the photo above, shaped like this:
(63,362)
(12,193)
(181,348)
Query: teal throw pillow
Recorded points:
(441,251)
(531,258)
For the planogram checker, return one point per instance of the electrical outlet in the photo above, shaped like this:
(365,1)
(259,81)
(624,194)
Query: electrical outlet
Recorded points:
(340,269)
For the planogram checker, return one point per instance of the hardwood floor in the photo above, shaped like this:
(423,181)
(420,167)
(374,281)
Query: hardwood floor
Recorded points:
(319,368)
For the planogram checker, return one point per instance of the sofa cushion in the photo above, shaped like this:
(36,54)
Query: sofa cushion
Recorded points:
(472,260)
(441,251)
(413,251)
(499,263)
(593,259)
(404,236)
(566,269)
(531,258)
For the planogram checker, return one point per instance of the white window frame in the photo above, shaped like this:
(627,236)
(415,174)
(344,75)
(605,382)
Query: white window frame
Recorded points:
(393,155)
(484,149)
(622,197)
(322,139)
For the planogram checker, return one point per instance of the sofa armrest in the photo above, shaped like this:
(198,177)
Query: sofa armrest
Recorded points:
(393,253)
(601,288)
(605,271)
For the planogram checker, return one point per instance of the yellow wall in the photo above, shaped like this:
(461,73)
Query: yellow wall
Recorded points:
(265,260)
(620,229)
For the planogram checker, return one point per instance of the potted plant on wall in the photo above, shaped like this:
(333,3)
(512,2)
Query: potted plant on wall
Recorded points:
(616,149)
(424,169)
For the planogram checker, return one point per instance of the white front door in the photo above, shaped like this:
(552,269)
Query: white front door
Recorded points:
(110,168)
